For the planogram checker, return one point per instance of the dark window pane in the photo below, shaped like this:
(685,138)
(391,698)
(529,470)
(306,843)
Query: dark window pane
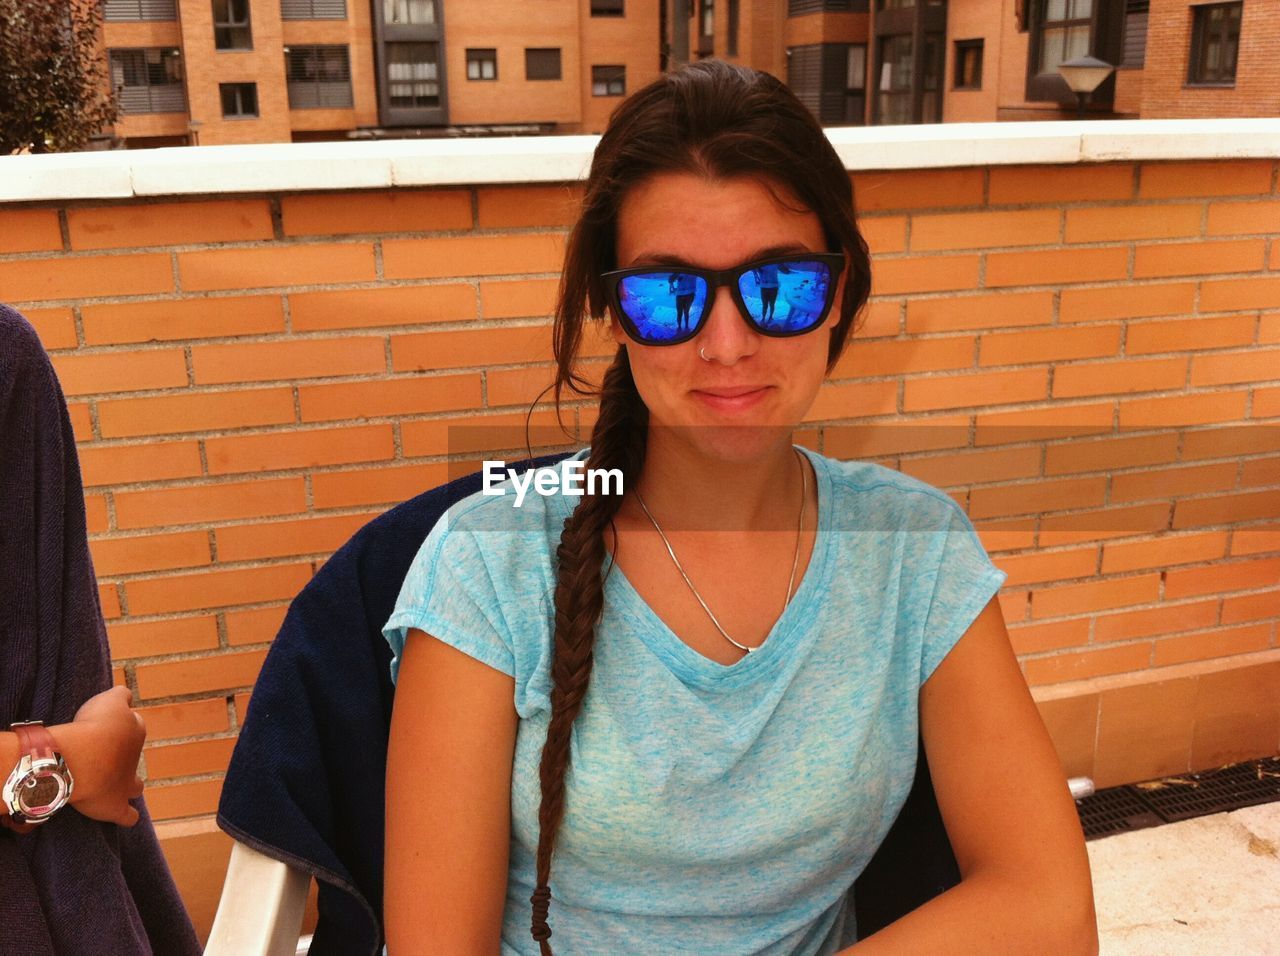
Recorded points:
(413,78)
(148,81)
(231,30)
(482,64)
(542,63)
(607,8)
(239,99)
(123,10)
(408,11)
(608,81)
(319,77)
(313,9)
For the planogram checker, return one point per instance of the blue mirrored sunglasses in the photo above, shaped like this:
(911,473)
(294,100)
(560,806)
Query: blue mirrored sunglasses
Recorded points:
(780,296)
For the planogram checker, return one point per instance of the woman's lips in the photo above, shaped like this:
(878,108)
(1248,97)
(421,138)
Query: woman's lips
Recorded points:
(732,399)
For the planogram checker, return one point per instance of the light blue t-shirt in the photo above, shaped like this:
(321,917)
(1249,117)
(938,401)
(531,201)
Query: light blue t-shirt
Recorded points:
(713,808)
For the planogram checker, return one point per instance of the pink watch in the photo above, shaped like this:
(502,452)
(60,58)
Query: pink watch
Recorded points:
(40,785)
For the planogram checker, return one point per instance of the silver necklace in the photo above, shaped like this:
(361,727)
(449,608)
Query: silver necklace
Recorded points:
(795,562)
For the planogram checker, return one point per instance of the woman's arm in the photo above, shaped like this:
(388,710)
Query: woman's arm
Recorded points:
(453,734)
(1025,883)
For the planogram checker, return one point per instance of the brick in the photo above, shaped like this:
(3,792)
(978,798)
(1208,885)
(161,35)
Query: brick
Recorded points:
(924,274)
(213,672)
(155,638)
(314,447)
(149,461)
(196,504)
(1166,483)
(56,327)
(81,421)
(190,719)
(880,317)
(1266,402)
(476,434)
(280,539)
(1103,523)
(1060,184)
(257,625)
(1046,566)
(1154,622)
(78,277)
(1226,368)
(518,299)
(1180,410)
(481,348)
(152,552)
(277,361)
(1226,509)
(1212,644)
(1182,179)
(133,371)
(1013,605)
(1224,576)
(513,207)
(1243,218)
(1250,607)
(95,513)
(119,677)
(996,311)
(974,389)
(1094,596)
(1165,551)
(402,396)
(884,234)
(972,467)
(1256,540)
(139,224)
(1008,534)
(242,707)
(472,256)
(1113,223)
(864,441)
(1186,335)
(1107,454)
(378,308)
(1080,665)
(1039,424)
(917,189)
(1126,302)
(980,230)
(853,400)
(418,210)
(198,411)
(349,489)
(1261,471)
(1045,495)
(216,589)
(276,266)
(1232,441)
(30,230)
(109,599)
(1198,258)
(189,759)
(181,800)
(181,319)
(1057,266)
(1123,377)
(894,357)
(1231,295)
(1054,636)
(1268,327)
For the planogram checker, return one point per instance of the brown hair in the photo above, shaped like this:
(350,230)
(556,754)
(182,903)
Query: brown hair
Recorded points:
(716,120)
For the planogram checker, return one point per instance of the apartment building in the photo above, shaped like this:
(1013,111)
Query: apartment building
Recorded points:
(260,71)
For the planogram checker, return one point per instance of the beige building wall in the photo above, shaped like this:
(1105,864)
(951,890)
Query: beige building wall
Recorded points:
(631,40)
(356,33)
(974,21)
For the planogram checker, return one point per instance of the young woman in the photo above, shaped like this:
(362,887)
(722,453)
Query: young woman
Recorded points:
(682,718)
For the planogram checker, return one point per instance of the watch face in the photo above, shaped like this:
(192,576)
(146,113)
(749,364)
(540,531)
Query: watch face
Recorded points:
(41,793)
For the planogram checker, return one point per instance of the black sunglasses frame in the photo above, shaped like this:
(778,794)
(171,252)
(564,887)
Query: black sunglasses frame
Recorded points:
(731,277)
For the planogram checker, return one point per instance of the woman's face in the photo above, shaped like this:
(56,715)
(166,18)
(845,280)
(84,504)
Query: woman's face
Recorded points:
(750,389)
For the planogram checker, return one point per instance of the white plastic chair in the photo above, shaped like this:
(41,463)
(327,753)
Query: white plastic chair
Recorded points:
(261,909)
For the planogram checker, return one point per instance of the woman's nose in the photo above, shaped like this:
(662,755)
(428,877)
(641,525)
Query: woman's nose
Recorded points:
(726,338)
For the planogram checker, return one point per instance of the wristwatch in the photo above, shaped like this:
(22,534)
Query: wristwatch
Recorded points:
(40,785)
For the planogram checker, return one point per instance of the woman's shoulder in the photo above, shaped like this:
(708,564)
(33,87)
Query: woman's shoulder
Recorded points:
(881,498)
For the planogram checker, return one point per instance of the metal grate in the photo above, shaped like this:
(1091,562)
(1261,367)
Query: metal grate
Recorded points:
(1171,799)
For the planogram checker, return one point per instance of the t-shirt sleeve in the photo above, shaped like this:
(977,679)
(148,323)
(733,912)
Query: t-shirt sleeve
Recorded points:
(965,581)
(450,594)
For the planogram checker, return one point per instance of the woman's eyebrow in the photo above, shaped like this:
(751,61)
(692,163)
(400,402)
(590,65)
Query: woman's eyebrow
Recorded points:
(668,259)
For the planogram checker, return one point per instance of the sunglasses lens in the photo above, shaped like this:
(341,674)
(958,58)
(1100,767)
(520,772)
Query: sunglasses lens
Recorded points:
(787,297)
(663,306)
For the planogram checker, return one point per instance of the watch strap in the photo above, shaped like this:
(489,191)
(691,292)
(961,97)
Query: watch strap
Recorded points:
(35,739)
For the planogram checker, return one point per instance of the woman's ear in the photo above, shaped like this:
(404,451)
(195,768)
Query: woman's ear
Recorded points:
(615,329)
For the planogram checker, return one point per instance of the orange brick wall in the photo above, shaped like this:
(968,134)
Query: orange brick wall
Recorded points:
(1086,357)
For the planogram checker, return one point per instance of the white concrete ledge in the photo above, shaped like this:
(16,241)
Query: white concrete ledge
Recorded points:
(281,167)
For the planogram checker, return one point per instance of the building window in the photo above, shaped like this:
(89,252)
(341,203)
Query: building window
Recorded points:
(148,81)
(313,9)
(1064,34)
(731,45)
(123,10)
(239,99)
(707,19)
(231,29)
(319,77)
(893,90)
(798,8)
(830,79)
(542,63)
(1134,51)
(608,81)
(482,64)
(413,75)
(1215,41)
(968,75)
(606,8)
(409,11)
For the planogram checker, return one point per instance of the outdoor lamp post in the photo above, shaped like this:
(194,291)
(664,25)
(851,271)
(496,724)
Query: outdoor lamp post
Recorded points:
(1084,74)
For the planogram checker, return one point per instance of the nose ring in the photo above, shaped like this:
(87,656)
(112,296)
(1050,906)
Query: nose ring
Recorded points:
(702,352)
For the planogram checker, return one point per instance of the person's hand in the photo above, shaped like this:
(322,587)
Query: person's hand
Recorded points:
(101,747)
